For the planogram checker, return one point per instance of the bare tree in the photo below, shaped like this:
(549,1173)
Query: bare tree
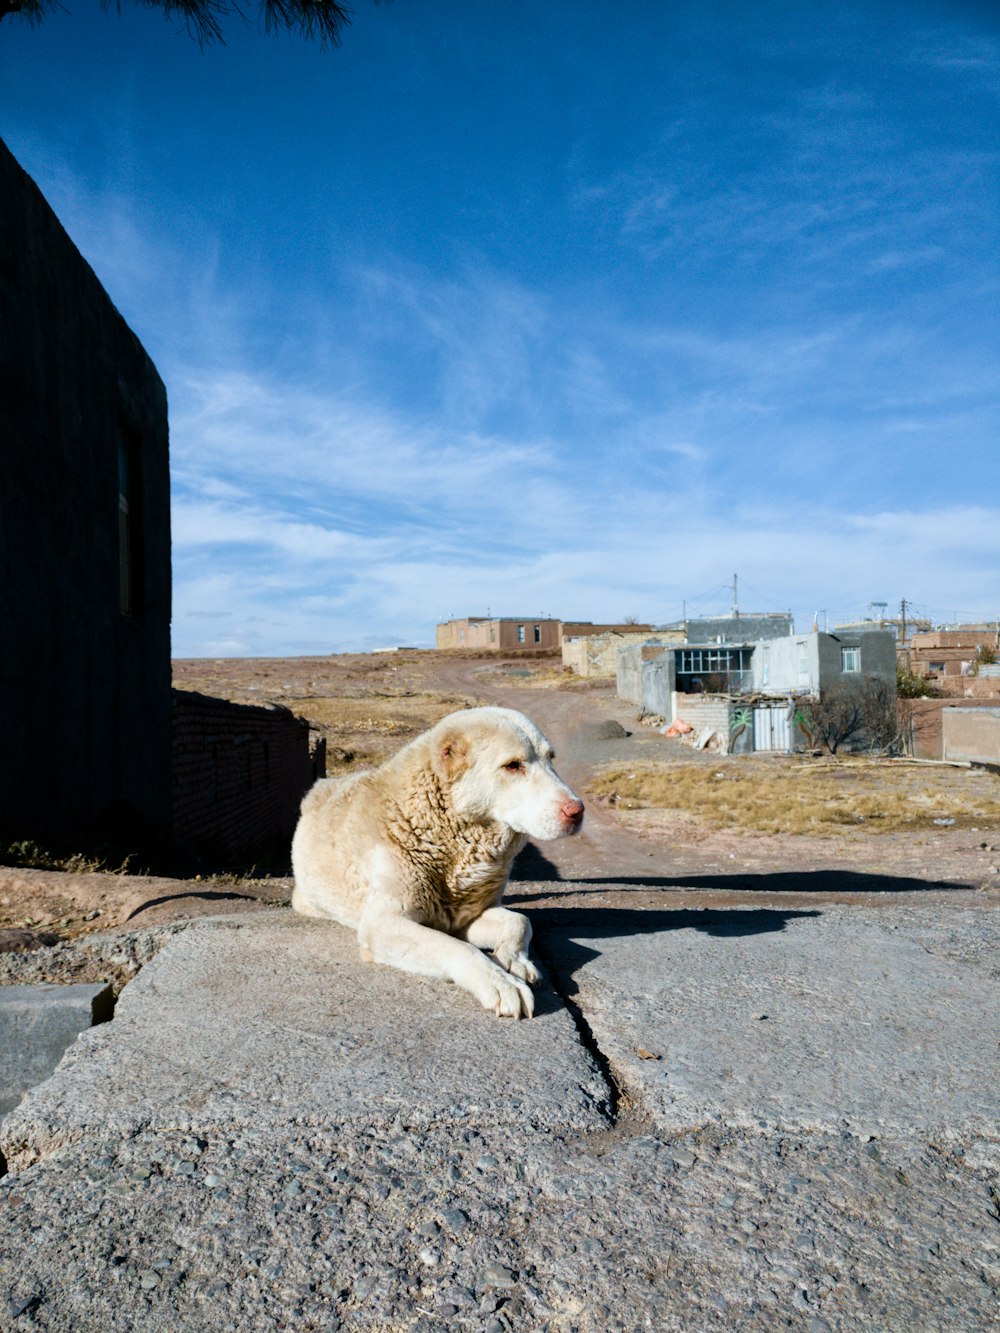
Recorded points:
(881,720)
(325,19)
(851,710)
(837,715)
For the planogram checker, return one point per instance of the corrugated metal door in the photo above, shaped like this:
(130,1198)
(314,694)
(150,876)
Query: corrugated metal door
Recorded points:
(771,730)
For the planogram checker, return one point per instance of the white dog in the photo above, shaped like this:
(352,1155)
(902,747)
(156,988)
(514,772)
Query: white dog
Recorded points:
(415,855)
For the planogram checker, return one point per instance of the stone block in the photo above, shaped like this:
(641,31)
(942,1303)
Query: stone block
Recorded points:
(37,1024)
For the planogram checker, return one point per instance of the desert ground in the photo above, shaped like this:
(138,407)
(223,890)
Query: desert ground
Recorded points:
(712,828)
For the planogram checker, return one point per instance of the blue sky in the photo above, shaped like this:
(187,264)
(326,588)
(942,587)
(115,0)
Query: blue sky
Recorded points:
(575,308)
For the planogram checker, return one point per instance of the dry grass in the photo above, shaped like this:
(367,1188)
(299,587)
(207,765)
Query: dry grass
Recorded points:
(366,730)
(365,706)
(542,676)
(805,797)
(27,853)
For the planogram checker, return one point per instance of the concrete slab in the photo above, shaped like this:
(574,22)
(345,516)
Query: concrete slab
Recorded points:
(340,1147)
(372,1229)
(274,1020)
(37,1024)
(806,1020)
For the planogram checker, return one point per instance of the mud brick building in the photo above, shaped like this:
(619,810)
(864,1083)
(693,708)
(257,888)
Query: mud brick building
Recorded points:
(950,652)
(240,772)
(511,634)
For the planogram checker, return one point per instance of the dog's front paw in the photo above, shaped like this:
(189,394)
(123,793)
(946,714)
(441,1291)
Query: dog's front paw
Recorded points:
(507,996)
(518,964)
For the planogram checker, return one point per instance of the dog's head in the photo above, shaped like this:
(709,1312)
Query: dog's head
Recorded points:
(498,766)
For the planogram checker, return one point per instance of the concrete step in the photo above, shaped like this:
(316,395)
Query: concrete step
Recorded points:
(272,1019)
(37,1024)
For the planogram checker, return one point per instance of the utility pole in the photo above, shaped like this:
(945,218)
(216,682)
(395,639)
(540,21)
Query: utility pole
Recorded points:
(902,621)
(736,600)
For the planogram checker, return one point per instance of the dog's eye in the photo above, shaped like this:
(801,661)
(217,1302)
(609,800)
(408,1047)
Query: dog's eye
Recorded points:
(515,766)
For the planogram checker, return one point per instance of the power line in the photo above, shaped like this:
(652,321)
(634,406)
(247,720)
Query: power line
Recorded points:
(763,596)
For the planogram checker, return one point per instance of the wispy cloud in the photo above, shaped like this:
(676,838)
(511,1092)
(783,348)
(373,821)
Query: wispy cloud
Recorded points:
(294,569)
(774,357)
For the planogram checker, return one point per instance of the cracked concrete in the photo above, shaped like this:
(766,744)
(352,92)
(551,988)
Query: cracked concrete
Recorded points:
(271,1134)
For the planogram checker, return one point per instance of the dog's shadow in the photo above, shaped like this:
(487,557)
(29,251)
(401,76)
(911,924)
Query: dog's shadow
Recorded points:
(559,933)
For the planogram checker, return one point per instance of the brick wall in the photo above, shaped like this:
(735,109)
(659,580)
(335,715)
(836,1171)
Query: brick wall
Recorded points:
(240,773)
(705,712)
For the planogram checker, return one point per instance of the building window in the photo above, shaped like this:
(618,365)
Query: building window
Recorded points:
(520,634)
(713,670)
(538,633)
(461,636)
(765,666)
(493,634)
(935,666)
(850,659)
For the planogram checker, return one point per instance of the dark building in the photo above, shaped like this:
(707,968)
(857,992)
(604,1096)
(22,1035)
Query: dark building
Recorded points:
(748,627)
(240,773)
(84,541)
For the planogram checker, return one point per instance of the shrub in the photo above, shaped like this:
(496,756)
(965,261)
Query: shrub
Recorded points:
(911,686)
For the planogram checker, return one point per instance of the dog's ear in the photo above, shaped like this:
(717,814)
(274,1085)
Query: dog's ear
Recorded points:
(452,755)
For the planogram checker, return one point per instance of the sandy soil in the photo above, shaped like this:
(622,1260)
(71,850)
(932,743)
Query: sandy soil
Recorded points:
(369,705)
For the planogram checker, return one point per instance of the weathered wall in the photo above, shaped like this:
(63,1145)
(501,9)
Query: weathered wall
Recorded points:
(806,663)
(570,629)
(983,686)
(628,673)
(240,772)
(659,680)
(971,734)
(500,634)
(597,654)
(497,635)
(85,730)
(921,723)
(789,663)
(878,656)
(576,656)
(738,629)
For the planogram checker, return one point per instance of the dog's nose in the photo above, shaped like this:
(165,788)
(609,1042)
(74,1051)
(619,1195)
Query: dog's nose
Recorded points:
(572,812)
